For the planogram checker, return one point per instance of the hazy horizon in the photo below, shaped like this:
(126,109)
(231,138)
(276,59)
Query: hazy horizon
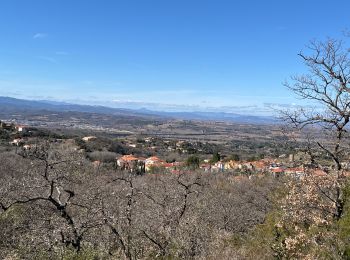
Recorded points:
(267,110)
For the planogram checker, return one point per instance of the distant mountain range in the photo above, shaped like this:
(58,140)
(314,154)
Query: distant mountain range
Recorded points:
(11,105)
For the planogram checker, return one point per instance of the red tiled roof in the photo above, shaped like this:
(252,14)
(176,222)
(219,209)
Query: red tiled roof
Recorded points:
(129,157)
(277,170)
(153,158)
(168,165)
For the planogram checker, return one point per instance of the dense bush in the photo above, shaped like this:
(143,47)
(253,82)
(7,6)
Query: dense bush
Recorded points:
(103,156)
(193,161)
(4,135)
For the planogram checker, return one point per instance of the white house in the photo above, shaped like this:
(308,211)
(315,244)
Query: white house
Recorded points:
(21,128)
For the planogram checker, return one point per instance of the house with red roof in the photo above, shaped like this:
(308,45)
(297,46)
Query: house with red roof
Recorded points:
(131,163)
(152,162)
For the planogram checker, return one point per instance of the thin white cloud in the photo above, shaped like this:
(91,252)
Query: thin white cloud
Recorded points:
(49,59)
(62,53)
(40,35)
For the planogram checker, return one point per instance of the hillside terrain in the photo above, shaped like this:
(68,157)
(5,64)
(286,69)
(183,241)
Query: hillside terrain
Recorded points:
(11,105)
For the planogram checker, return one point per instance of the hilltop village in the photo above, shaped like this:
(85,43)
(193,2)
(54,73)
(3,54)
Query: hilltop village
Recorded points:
(157,156)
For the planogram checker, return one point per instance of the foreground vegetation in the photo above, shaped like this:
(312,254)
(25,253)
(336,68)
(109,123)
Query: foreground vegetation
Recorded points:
(56,204)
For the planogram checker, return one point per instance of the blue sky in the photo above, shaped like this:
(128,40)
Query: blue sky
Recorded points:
(165,54)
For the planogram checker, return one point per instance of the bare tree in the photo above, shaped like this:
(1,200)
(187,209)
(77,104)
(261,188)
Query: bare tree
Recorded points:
(317,200)
(48,184)
(326,87)
(173,202)
(119,210)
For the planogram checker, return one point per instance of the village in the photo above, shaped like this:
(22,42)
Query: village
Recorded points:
(249,169)
(294,165)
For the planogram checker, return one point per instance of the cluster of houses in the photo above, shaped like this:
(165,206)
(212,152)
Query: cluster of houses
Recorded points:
(21,142)
(17,129)
(264,165)
(132,163)
(13,127)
